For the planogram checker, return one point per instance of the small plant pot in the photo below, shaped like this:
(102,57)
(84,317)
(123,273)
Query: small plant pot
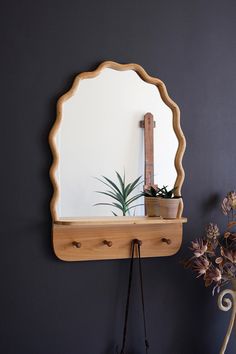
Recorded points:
(168,207)
(152,206)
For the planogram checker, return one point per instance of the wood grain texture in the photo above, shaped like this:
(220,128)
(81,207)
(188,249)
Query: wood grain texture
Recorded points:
(92,247)
(148,150)
(118,220)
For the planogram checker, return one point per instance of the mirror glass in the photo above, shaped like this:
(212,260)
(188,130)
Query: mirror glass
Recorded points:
(100,133)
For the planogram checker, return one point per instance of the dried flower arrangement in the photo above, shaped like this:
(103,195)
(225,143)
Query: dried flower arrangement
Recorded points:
(214,255)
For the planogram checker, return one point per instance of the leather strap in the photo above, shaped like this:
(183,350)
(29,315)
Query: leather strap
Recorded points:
(138,243)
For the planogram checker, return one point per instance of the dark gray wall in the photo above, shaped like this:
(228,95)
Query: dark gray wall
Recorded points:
(51,307)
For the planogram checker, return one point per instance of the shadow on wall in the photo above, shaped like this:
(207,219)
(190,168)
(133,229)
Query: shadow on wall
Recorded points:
(211,203)
(114,350)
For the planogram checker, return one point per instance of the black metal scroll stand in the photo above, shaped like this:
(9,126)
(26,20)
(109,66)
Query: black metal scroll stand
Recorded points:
(138,243)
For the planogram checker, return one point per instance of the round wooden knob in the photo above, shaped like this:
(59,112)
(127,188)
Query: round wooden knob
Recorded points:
(108,243)
(166,240)
(137,242)
(76,244)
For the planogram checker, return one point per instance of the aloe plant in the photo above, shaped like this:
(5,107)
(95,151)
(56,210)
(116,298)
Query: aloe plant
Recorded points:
(121,193)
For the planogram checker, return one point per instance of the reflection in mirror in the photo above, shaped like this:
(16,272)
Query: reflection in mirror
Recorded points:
(100,133)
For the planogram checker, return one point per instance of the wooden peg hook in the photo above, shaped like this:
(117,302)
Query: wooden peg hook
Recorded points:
(137,242)
(166,240)
(108,243)
(76,244)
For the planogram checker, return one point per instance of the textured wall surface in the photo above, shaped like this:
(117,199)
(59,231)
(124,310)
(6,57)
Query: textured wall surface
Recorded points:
(51,307)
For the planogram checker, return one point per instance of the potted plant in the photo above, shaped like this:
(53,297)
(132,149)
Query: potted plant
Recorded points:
(161,202)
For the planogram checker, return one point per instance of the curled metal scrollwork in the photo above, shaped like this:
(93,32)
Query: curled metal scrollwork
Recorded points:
(225,304)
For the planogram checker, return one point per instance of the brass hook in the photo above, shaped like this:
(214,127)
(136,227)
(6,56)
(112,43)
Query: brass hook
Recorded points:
(76,244)
(166,240)
(108,243)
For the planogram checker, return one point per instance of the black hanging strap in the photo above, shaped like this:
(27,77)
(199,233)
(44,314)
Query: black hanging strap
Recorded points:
(128,298)
(142,295)
(134,242)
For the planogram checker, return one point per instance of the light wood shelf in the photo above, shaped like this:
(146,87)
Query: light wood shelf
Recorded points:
(111,220)
(82,239)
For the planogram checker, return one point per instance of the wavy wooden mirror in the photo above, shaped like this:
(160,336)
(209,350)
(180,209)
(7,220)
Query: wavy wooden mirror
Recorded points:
(97,132)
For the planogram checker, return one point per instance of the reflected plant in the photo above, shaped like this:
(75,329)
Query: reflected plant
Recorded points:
(121,193)
(156,192)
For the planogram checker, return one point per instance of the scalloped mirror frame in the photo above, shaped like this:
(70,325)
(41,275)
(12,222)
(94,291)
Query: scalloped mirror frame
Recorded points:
(165,97)
(83,239)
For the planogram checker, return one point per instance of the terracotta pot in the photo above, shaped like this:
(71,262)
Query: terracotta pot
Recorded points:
(152,206)
(168,207)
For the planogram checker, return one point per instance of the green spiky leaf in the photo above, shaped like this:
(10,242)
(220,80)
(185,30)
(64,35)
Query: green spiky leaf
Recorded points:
(119,192)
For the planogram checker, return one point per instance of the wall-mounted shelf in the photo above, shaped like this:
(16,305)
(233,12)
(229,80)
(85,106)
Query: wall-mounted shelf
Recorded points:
(80,239)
